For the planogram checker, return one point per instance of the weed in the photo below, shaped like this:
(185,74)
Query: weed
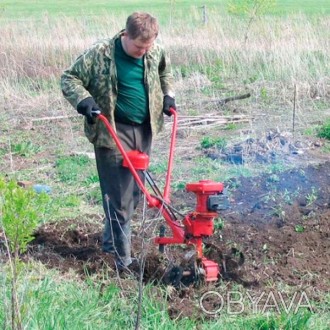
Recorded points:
(93,178)
(312,196)
(299,228)
(273,178)
(25,149)
(178,185)
(288,196)
(324,130)
(264,94)
(266,198)
(219,223)
(230,127)
(278,211)
(218,142)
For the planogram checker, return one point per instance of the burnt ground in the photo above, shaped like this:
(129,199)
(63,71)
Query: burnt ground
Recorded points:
(278,224)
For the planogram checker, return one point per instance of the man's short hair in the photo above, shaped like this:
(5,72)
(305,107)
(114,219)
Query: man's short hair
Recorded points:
(142,25)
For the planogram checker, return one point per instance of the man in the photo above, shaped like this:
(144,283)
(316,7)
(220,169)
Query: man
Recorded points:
(128,79)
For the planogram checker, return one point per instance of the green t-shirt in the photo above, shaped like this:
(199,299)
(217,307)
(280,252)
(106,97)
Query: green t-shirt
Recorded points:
(132,100)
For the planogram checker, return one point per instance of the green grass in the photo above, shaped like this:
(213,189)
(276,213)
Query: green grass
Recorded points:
(304,6)
(52,303)
(19,9)
(76,169)
(49,302)
(38,8)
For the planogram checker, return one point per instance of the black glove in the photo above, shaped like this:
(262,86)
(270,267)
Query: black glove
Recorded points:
(88,108)
(168,103)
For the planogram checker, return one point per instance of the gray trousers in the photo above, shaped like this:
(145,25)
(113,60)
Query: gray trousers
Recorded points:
(120,192)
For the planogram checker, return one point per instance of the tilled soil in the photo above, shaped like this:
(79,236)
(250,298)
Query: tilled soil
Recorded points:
(276,235)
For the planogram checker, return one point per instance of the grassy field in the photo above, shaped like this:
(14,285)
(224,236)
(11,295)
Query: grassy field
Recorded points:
(24,9)
(280,59)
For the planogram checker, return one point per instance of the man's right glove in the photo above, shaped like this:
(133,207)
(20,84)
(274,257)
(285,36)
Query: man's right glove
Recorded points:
(86,107)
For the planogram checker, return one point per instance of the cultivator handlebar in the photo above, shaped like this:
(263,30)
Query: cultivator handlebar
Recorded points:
(196,225)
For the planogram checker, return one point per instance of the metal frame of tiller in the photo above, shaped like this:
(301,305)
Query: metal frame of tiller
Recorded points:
(197,224)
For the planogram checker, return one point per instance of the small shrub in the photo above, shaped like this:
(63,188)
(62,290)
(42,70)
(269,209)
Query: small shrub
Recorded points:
(19,213)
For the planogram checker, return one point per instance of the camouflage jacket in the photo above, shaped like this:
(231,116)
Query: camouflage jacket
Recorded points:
(94,74)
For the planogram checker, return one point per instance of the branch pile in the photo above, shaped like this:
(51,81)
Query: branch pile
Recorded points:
(213,119)
(210,120)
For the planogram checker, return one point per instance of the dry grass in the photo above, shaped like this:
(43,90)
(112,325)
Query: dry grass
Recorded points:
(291,49)
(210,61)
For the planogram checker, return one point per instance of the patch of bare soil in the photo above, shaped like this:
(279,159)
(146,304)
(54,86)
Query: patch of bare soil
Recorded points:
(276,235)
(281,227)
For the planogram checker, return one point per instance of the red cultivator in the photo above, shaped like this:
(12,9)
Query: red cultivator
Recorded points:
(195,226)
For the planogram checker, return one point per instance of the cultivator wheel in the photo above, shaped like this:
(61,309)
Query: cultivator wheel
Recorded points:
(180,276)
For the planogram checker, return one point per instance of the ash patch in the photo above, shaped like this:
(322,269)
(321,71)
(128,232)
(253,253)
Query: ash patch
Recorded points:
(274,146)
(265,198)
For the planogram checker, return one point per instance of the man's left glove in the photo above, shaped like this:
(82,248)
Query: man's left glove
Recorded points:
(89,109)
(168,103)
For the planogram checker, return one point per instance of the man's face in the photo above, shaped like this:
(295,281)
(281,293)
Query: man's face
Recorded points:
(136,47)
